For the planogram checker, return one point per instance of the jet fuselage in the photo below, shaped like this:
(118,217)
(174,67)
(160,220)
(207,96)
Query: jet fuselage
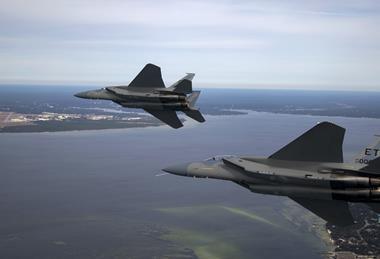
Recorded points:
(326,181)
(147,98)
(309,170)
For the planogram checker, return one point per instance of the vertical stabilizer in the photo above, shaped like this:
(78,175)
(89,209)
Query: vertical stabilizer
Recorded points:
(193,97)
(368,154)
(184,85)
(373,166)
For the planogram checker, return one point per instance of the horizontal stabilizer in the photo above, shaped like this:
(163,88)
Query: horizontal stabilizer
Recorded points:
(149,77)
(195,115)
(168,117)
(332,211)
(322,143)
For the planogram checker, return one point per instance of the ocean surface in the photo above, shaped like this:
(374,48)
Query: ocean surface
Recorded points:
(96,194)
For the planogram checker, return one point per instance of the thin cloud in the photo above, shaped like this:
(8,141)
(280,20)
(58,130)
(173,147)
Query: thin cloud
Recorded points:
(302,42)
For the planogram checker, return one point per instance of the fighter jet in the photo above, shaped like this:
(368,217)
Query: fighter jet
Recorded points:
(147,91)
(309,170)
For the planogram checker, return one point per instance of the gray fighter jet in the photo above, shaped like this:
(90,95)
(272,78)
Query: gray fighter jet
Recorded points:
(309,170)
(147,91)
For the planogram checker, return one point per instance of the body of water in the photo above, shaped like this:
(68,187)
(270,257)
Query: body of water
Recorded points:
(95,194)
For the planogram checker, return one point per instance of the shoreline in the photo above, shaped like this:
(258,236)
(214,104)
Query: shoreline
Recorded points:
(242,112)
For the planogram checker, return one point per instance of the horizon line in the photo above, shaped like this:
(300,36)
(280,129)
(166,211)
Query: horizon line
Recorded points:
(286,87)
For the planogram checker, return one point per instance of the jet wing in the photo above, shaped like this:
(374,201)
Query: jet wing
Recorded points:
(334,212)
(168,117)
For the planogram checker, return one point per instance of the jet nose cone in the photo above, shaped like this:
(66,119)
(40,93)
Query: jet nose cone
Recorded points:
(82,94)
(181,169)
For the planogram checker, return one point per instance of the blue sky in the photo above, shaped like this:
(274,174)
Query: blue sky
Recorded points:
(331,44)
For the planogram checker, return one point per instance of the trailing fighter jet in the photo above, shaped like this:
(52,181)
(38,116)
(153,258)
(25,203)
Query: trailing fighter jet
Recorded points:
(309,170)
(147,91)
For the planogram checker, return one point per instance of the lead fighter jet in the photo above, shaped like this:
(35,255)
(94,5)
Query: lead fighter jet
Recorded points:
(309,170)
(147,91)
